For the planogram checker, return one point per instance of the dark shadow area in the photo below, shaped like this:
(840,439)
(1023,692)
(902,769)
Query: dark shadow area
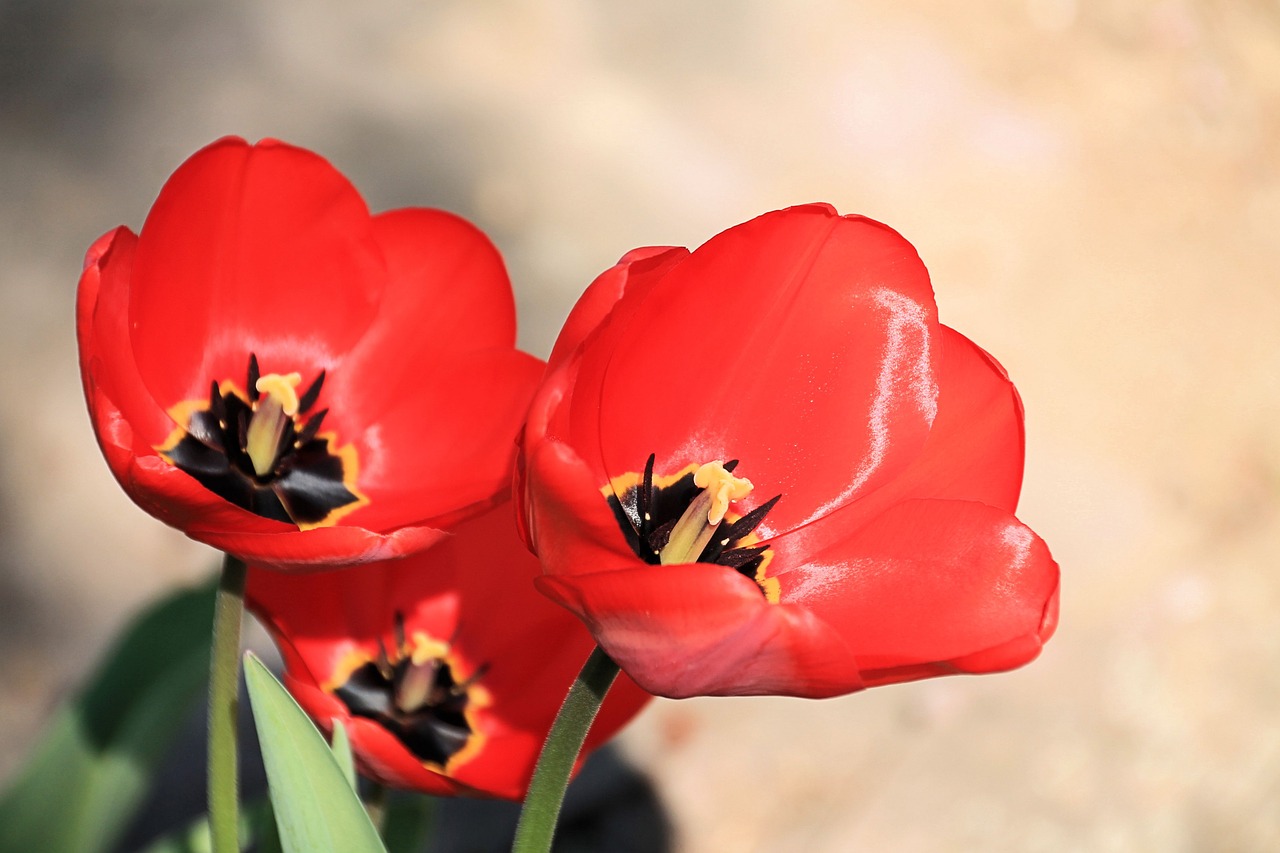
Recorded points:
(609,807)
(177,795)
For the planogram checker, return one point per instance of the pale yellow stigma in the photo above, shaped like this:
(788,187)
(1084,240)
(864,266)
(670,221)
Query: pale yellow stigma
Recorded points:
(417,686)
(705,512)
(722,487)
(283,389)
(276,406)
(425,649)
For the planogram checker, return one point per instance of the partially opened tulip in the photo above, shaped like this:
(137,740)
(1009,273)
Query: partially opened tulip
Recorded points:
(765,467)
(446,667)
(283,376)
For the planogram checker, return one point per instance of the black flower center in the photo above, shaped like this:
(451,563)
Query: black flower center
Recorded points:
(262,450)
(651,511)
(416,696)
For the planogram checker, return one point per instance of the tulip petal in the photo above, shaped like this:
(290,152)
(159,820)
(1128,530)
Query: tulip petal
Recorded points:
(976,446)
(319,549)
(569,522)
(700,629)
(102,330)
(634,276)
(547,420)
(933,587)
(260,249)
(974,451)
(802,342)
(449,440)
(637,268)
(447,293)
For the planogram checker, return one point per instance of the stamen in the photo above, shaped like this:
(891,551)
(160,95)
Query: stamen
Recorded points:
(312,394)
(398,623)
(311,429)
(644,497)
(383,662)
(254,373)
(217,407)
(461,688)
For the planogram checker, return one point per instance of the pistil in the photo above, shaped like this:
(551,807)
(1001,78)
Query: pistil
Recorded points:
(702,517)
(417,687)
(273,411)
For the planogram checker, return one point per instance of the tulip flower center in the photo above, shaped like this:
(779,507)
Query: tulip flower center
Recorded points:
(415,693)
(688,518)
(263,450)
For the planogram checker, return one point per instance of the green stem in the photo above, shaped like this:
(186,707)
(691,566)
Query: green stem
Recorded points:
(550,778)
(224,699)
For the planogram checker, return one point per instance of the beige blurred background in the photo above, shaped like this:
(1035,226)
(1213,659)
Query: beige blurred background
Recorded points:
(1095,187)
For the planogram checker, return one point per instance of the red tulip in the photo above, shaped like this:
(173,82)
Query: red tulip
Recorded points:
(283,376)
(446,668)
(867,535)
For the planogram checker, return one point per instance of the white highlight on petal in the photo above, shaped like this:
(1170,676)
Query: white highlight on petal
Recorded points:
(905,374)
(1018,540)
(817,582)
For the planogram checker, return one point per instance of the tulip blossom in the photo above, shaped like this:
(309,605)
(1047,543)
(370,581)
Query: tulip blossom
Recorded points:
(445,667)
(283,376)
(765,467)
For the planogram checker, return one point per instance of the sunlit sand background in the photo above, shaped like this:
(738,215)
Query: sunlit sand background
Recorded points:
(1095,188)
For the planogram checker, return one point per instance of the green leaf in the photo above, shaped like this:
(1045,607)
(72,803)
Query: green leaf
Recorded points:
(265,834)
(317,811)
(342,751)
(95,762)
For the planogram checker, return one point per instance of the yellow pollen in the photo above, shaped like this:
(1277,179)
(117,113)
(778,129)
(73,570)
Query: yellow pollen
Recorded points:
(282,389)
(722,487)
(425,649)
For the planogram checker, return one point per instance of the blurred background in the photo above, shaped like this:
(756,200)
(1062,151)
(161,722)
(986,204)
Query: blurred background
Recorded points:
(1095,187)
